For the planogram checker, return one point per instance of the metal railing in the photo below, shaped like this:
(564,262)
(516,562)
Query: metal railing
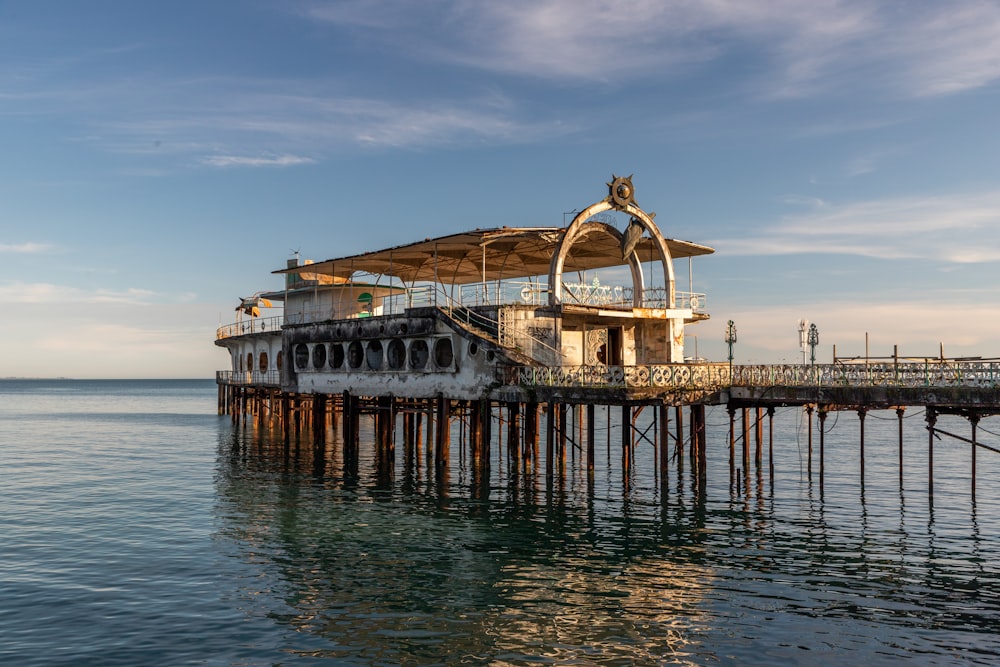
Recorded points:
(253,325)
(502,293)
(913,374)
(249,378)
(679,376)
(714,376)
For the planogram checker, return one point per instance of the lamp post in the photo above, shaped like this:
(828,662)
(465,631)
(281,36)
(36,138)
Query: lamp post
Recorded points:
(803,337)
(730,340)
(813,342)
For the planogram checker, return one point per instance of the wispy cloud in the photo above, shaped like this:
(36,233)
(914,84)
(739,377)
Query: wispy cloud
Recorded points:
(953,228)
(812,45)
(28,248)
(248,161)
(48,293)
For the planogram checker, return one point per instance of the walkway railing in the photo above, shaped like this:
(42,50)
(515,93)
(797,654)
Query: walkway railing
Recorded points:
(713,376)
(252,325)
(249,378)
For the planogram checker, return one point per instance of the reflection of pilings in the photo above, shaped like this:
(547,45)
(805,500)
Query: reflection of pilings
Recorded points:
(899,418)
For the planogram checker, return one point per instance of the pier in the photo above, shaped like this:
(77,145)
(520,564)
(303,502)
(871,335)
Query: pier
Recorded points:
(506,342)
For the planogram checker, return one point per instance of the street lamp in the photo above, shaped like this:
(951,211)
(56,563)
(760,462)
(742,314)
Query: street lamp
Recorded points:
(813,342)
(731,340)
(803,339)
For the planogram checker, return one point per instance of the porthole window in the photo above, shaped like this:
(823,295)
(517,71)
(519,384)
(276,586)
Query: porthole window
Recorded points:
(490,356)
(336,355)
(373,355)
(444,355)
(319,356)
(301,355)
(263,362)
(473,349)
(395,354)
(355,354)
(419,354)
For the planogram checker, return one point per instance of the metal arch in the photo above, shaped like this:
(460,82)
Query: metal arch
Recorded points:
(573,231)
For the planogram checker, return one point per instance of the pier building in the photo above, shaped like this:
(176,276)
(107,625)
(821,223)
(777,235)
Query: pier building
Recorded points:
(506,327)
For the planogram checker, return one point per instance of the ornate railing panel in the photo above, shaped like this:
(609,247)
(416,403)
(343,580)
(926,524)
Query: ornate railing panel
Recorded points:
(666,376)
(710,377)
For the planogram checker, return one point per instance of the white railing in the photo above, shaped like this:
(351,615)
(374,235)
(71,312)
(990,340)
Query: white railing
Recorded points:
(253,325)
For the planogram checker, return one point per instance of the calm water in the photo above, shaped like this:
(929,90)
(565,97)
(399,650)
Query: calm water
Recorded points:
(139,528)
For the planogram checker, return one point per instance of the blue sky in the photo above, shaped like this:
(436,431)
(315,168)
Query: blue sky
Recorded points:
(159,160)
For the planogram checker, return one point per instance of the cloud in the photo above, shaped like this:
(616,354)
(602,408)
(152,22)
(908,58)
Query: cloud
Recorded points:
(48,293)
(955,228)
(246,161)
(811,46)
(24,248)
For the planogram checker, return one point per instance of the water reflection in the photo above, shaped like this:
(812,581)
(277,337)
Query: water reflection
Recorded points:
(382,561)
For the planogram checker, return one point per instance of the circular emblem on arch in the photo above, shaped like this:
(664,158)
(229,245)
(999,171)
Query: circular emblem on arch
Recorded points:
(622,192)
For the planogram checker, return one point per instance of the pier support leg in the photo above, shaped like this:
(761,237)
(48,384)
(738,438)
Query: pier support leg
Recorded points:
(809,429)
(550,436)
(591,435)
(770,444)
(974,421)
(732,443)
(442,442)
(931,418)
(862,413)
(822,441)
(899,418)
(664,418)
(626,441)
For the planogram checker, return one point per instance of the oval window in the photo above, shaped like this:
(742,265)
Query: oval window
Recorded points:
(444,355)
(355,354)
(263,362)
(301,355)
(373,355)
(419,354)
(336,355)
(319,356)
(395,354)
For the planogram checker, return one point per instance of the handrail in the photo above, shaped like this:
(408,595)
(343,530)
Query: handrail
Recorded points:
(253,325)
(714,376)
(249,378)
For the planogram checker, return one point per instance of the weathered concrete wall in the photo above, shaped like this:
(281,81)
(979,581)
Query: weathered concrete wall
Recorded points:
(413,356)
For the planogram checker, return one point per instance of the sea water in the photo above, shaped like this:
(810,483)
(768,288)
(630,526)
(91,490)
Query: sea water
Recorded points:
(138,527)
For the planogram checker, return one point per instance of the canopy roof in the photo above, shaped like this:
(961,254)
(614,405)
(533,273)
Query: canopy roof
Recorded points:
(491,254)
